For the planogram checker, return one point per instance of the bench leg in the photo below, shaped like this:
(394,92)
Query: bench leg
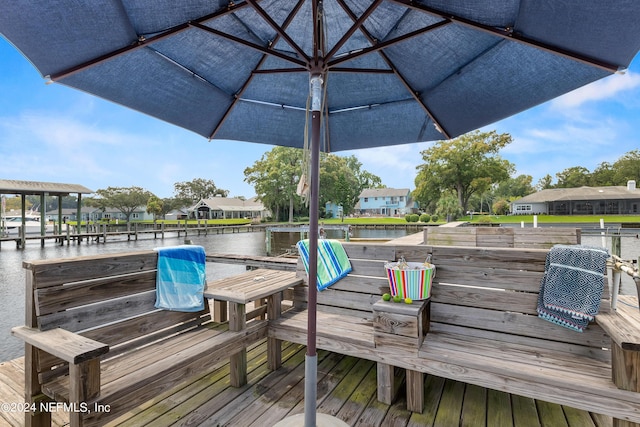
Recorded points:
(274,346)
(415,391)
(238,361)
(33,391)
(625,374)
(84,384)
(385,383)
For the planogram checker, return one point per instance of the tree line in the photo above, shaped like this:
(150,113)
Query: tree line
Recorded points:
(457,176)
(467,174)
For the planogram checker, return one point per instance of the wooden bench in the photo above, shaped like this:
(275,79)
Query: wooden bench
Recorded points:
(95,341)
(482,329)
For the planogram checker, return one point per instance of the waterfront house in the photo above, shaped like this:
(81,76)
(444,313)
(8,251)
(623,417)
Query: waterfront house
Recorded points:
(71,214)
(610,200)
(386,202)
(111,214)
(228,208)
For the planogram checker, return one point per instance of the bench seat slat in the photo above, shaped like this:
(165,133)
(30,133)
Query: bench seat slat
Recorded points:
(582,379)
(147,379)
(601,354)
(517,324)
(351,329)
(516,354)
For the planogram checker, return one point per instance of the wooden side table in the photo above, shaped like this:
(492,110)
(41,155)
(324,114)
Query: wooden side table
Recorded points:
(254,285)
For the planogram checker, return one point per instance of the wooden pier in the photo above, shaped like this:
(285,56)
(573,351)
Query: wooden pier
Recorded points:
(346,389)
(103,232)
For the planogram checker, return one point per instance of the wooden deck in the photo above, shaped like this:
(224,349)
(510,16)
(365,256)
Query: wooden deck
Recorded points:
(346,389)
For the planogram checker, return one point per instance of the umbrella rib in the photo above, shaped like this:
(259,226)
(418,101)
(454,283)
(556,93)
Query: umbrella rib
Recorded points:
(278,29)
(285,24)
(509,34)
(356,25)
(142,42)
(377,46)
(246,43)
(411,90)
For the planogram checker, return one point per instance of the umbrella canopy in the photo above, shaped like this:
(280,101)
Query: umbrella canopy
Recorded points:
(395,71)
(364,73)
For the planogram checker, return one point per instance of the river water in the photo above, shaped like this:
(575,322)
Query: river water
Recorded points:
(12,275)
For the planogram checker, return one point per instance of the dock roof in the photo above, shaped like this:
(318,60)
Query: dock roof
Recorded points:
(8,186)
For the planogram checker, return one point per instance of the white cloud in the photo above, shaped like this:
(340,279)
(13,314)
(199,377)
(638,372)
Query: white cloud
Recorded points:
(606,88)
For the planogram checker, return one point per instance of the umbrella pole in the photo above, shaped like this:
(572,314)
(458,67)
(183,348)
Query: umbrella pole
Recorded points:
(311,359)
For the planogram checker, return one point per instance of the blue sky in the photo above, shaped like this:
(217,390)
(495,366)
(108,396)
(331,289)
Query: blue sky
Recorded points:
(57,134)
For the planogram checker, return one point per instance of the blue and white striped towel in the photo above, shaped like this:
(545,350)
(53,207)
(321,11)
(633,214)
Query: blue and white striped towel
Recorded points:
(181,278)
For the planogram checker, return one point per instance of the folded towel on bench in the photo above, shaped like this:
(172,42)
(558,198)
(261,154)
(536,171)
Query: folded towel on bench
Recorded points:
(333,262)
(181,278)
(572,285)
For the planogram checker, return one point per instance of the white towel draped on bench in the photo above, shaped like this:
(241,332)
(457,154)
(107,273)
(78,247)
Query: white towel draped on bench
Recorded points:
(181,278)
(572,285)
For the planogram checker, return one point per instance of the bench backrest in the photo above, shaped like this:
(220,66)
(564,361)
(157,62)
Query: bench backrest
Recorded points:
(502,237)
(108,298)
(482,292)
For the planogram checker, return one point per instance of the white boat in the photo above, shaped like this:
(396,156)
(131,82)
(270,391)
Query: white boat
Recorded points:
(11,224)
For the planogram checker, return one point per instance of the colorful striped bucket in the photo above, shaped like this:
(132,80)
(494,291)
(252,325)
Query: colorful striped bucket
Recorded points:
(411,279)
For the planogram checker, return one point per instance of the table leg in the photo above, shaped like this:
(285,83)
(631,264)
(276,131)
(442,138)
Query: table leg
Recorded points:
(219,311)
(238,361)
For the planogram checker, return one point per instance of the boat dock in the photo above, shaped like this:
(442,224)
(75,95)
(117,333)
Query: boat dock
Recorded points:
(346,389)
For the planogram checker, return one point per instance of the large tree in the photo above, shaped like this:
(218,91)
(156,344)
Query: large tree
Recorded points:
(627,168)
(338,183)
(125,199)
(275,179)
(342,179)
(191,192)
(466,165)
(575,176)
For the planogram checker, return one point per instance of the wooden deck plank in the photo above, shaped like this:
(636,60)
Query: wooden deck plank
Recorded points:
(551,415)
(525,413)
(195,392)
(474,408)
(499,412)
(346,388)
(292,401)
(450,404)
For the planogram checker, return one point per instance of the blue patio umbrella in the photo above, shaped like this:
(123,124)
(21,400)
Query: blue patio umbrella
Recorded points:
(363,73)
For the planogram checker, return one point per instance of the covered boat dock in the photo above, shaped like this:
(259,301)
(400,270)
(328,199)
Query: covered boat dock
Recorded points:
(43,190)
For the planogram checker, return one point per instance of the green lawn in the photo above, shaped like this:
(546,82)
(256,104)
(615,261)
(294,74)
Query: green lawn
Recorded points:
(502,219)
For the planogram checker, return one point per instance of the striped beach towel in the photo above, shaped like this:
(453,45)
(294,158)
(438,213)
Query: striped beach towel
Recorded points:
(333,263)
(572,285)
(181,278)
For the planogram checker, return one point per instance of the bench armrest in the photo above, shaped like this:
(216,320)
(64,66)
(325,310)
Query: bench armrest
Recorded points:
(623,326)
(68,346)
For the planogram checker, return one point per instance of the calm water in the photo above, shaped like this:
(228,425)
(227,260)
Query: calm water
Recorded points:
(12,273)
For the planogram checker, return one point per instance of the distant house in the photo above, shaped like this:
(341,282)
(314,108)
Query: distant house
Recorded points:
(182,213)
(228,208)
(70,214)
(386,202)
(612,200)
(111,214)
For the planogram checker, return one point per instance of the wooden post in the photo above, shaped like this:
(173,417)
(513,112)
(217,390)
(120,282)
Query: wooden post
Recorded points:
(415,391)
(385,383)
(238,361)
(625,371)
(268,239)
(274,346)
